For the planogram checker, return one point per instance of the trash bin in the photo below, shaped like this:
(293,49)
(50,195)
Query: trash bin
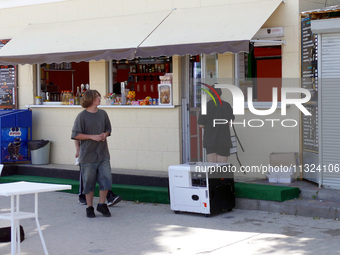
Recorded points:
(40,151)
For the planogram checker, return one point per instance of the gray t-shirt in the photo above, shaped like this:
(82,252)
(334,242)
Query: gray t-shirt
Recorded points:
(92,124)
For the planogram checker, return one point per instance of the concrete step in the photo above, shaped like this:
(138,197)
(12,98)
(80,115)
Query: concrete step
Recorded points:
(302,207)
(317,193)
(313,201)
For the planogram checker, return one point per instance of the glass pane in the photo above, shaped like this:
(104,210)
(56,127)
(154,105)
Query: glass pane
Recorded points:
(209,69)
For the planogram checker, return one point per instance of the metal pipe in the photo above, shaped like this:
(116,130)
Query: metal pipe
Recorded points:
(320,179)
(38,80)
(237,69)
(271,42)
(110,81)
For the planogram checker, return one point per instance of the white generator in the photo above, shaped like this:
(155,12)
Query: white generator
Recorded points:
(201,187)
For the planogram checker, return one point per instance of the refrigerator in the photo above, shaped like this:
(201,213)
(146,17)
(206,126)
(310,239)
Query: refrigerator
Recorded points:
(16,132)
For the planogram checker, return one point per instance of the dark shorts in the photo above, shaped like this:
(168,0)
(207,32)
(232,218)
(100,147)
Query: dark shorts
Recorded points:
(99,171)
(219,150)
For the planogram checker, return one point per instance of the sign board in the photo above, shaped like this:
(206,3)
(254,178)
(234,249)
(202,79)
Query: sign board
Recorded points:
(8,83)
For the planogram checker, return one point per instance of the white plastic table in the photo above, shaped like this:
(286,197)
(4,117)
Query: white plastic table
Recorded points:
(14,190)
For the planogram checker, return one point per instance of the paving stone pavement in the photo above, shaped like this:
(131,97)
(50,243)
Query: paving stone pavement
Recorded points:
(147,229)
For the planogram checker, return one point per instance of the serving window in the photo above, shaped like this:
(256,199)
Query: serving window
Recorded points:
(133,82)
(59,78)
(136,82)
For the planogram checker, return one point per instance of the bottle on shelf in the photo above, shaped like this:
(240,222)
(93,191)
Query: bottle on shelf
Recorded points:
(71,98)
(65,96)
(77,97)
(47,97)
(62,97)
(82,86)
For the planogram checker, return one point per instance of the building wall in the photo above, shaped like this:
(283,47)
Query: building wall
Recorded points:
(99,76)
(260,142)
(145,139)
(26,81)
(141,138)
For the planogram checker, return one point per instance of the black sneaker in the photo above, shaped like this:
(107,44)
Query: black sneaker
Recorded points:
(113,199)
(90,212)
(82,199)
(103,209)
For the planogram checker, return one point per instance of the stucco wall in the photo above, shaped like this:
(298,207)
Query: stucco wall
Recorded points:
(26,81)
(149,139)
(145,139)
(260,142)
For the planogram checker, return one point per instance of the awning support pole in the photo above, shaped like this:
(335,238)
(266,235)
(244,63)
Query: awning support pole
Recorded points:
(153,31)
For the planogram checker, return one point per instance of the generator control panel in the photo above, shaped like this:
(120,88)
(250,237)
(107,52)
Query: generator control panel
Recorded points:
(198,179)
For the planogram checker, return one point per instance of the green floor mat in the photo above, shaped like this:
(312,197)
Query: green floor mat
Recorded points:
(266,192)
(127,192)
(160,194)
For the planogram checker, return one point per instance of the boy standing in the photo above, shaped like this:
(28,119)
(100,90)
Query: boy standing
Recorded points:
(111,197)
(91,127)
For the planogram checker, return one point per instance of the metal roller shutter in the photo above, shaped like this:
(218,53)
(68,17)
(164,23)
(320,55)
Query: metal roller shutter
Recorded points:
(330,110)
